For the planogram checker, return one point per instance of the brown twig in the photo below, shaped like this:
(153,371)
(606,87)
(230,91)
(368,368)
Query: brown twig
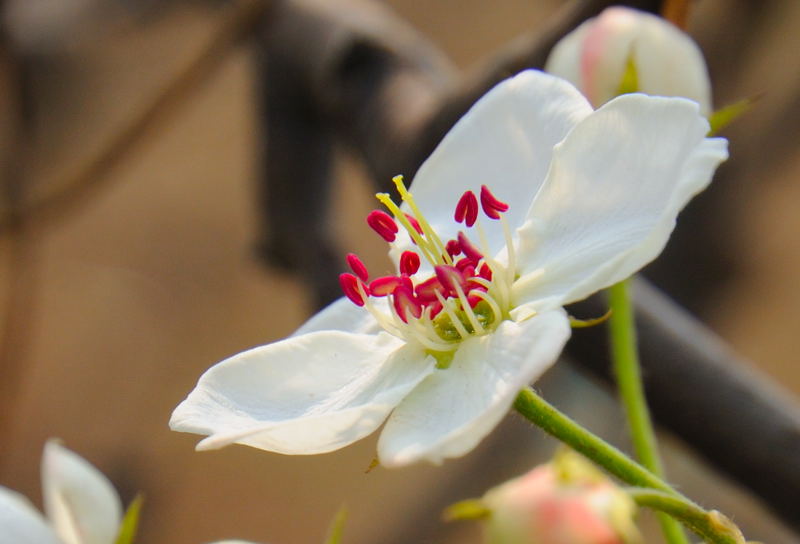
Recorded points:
(676,12)
(240,20)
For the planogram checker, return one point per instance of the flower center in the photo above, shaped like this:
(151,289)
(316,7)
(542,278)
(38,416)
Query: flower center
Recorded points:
(464,291)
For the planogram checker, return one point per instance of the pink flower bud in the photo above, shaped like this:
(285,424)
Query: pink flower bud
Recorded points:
(566,501)
(598,55)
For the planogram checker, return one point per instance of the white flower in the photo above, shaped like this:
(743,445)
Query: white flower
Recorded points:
(593,196)
(81,505)
(666,61)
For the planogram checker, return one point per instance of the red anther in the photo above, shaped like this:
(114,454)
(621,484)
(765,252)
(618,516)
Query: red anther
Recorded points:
(350,287)
(492,207)
(473,300)
(485,271)
(380,287)
(467,209)
(468,271)
(463,263)
(414,223)
(409,263)
(382,223)
(406,282)
(426,291)
(357,266)
(435,308)
(449,277)
(453,248)
(406,303)
(469,250)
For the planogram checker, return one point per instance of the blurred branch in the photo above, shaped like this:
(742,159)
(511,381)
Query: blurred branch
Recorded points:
(22,273)
(366,79)
(240,20)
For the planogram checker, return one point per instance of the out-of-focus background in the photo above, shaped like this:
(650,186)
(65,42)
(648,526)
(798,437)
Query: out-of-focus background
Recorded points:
(125,295)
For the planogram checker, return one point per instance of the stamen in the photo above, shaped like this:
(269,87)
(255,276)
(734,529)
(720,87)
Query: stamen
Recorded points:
(409,263)
(488,299)
(511,266)
(453,248)
(385,285)
(405,302)
(467,209)
(450,277)
(350,286)
(469,250)
(491,205)
(414,223)
(426,291)
(467,308)
(460,329)
(357,266)
(430,234)
(425,246)
(382,223)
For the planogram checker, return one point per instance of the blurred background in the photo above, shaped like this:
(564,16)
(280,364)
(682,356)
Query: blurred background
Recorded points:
(116,298)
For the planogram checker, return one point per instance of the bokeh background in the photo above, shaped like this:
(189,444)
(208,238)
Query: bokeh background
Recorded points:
(116,301)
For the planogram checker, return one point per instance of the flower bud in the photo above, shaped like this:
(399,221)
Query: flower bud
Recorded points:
(605,53)
(566,501)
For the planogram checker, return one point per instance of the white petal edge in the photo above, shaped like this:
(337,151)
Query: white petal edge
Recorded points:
(81,504)
(504,141)
(449,413)
(342,315)
(21,523)
(306,394)
(619,176)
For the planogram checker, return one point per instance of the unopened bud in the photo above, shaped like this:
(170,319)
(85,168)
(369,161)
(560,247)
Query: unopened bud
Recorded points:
(565,501)
(625,50)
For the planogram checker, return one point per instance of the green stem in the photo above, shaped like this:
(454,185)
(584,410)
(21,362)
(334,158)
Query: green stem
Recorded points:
(625,358)
(711,526)
(715,529)
(544,415)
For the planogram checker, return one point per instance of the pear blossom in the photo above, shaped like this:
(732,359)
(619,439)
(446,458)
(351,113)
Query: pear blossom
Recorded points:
(80,504)
(566,501)
(571,201)
(598,54)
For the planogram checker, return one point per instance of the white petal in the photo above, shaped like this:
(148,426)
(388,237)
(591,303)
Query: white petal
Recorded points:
(453,409)
(505,142)
(21,523)
(341,315)
(306,394)
(622,175)
(79,501)
(668,62)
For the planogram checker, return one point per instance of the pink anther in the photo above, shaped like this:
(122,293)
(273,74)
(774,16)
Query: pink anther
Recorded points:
(485,271)
(382,223)
(452,247)
(469,250)
(450,277)
(357,266)
(467,209)
(380,287)
(350,286)
(409,263)
(414,223)
(426,291)
(492,207)
(406,303)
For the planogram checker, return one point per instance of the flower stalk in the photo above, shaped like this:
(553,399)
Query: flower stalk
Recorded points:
(711,525)
(625,358)
(650,490)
